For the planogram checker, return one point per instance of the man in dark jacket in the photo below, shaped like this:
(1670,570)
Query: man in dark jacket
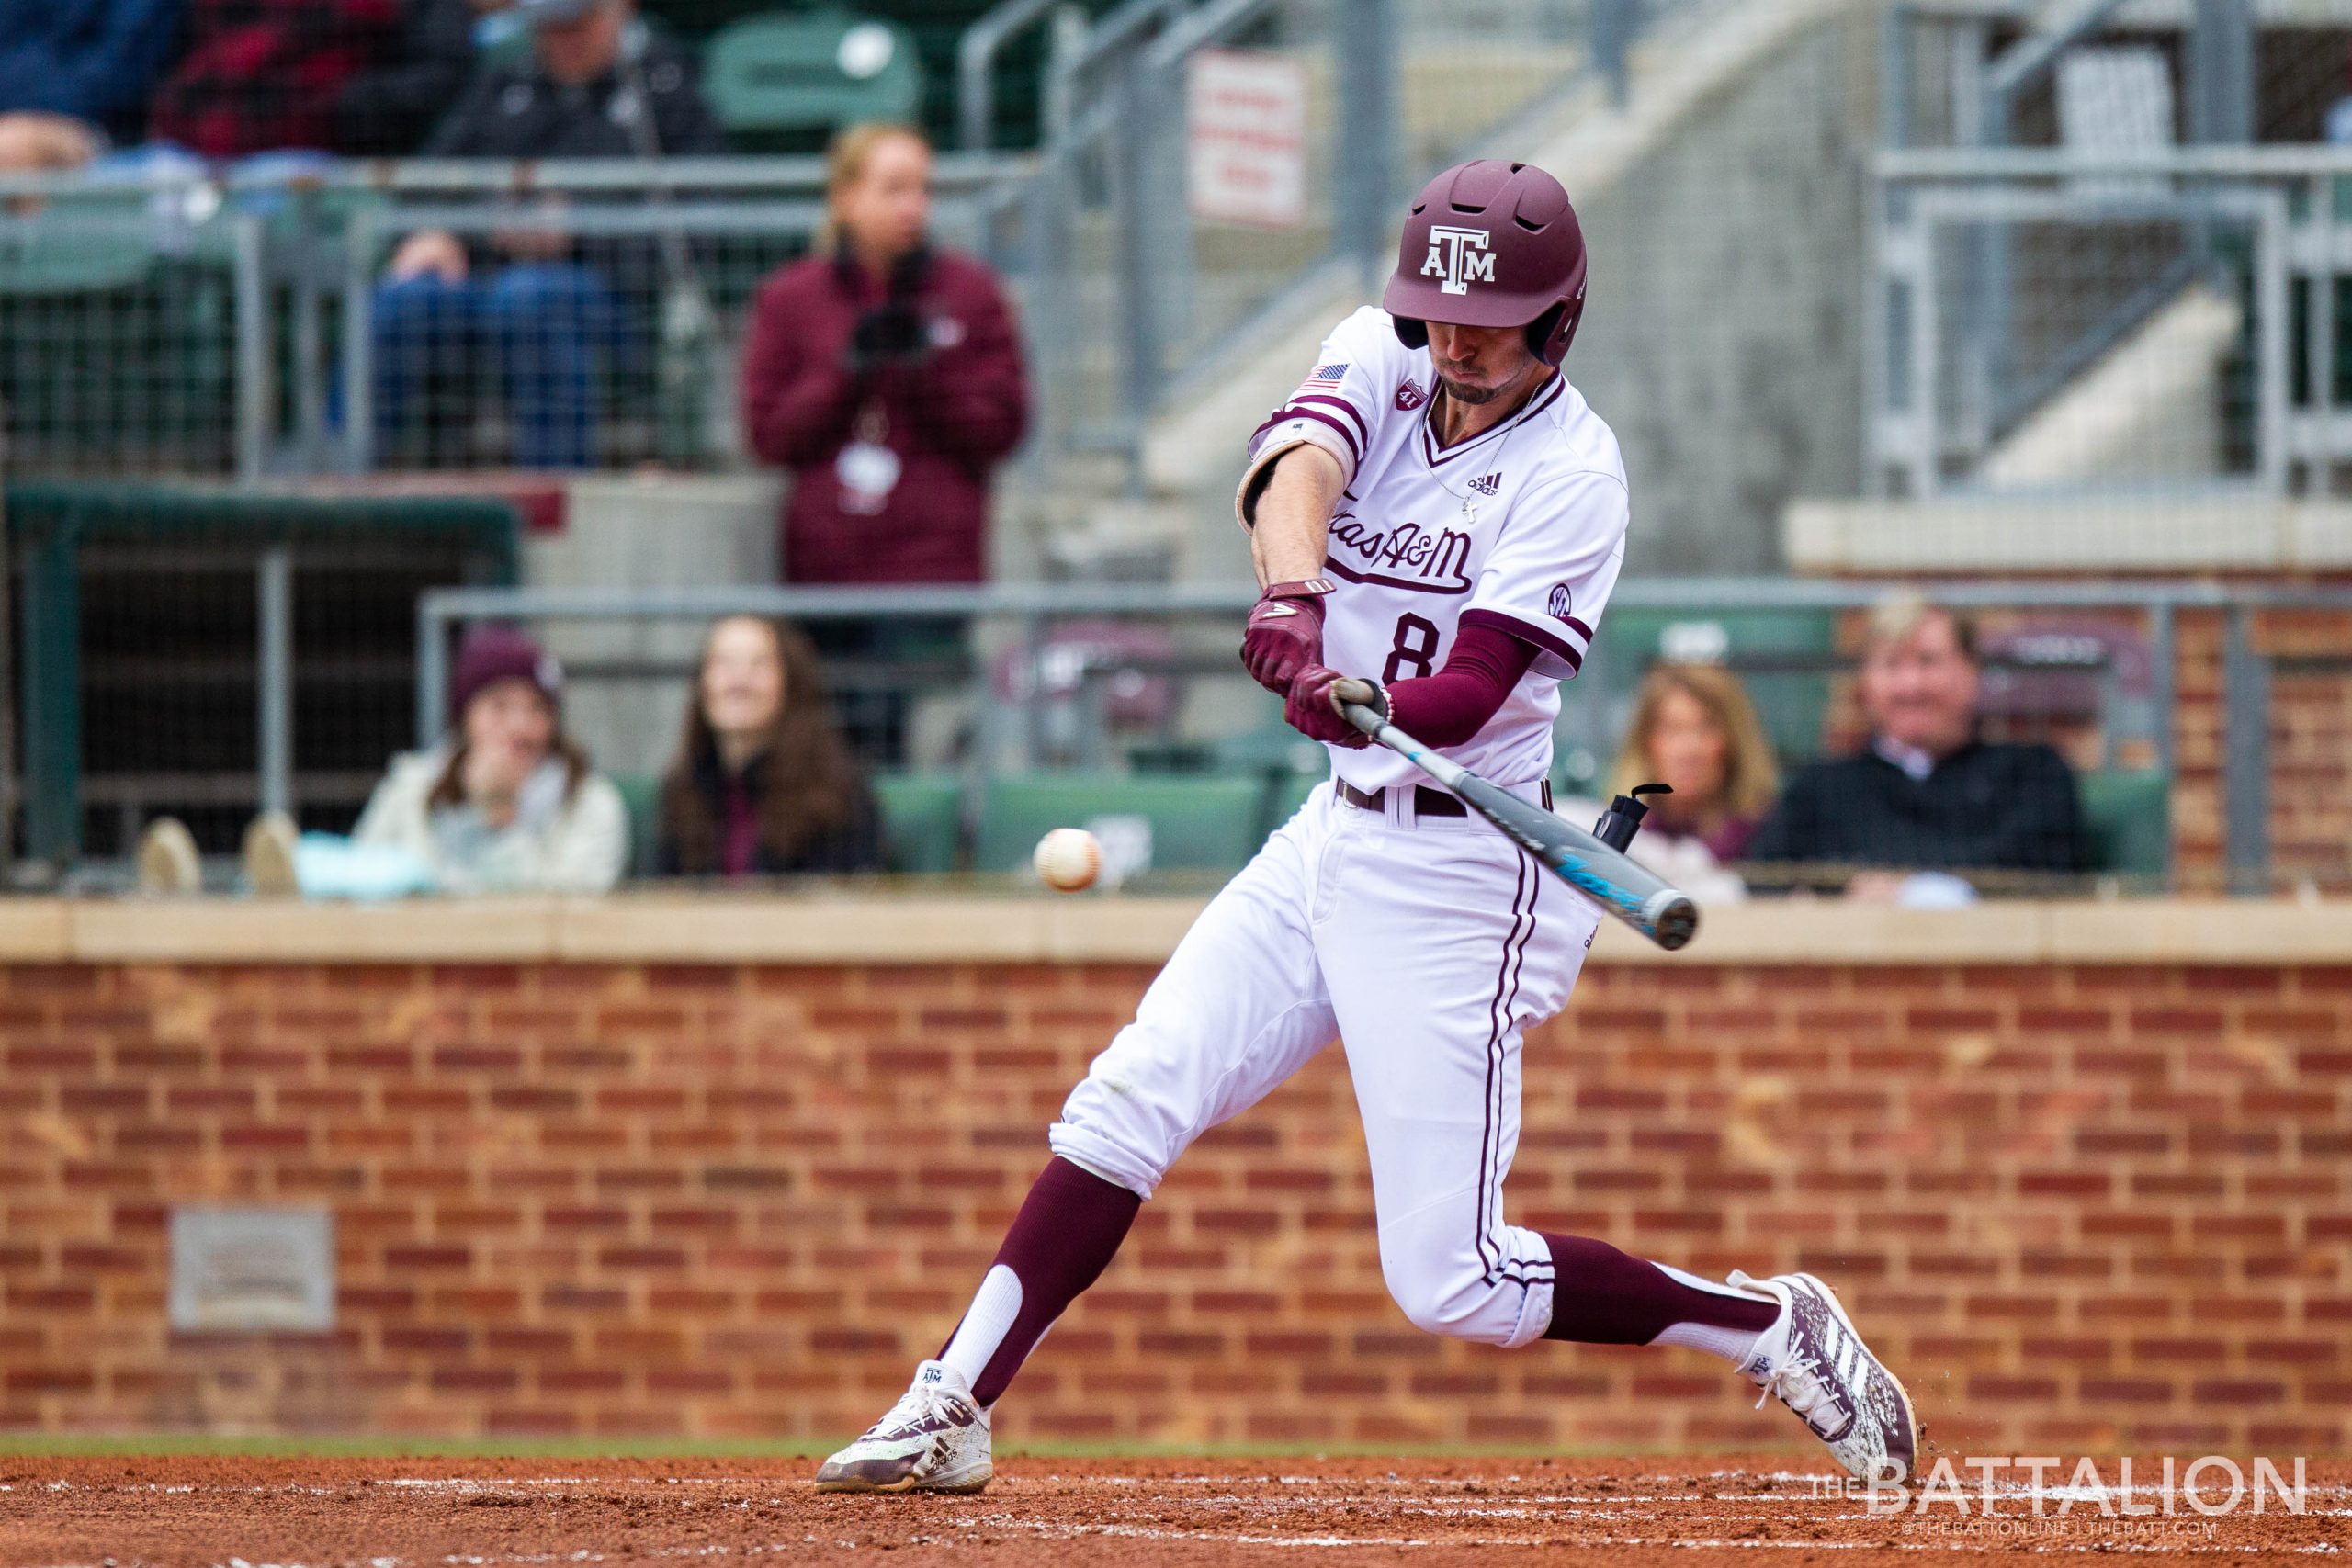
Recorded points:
(75,73)
(543,310)
(1926,794)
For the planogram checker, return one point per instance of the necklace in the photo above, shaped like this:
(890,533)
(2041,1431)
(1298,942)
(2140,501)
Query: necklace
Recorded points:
(1469,506)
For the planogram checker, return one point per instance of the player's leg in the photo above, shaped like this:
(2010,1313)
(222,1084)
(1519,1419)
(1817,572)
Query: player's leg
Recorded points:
(1448,943)
(1444,943)
(424,328)
(1490,944)
(553,324)
(1238,1008)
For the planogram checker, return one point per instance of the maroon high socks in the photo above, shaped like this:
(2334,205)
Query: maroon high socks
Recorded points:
(1069,1229)
(1602,1296)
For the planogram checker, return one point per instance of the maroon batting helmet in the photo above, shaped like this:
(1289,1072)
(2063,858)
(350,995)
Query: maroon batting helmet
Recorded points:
(1492,244)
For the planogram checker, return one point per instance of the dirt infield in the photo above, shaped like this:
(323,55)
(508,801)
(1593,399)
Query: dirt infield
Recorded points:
(412,1513)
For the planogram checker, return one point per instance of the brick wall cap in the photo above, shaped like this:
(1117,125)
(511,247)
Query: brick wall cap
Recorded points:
(832,926)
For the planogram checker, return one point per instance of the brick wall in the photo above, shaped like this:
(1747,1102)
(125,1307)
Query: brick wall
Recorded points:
(2077,1205)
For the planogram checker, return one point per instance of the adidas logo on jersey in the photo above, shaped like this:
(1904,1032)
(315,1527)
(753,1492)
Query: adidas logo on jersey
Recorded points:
(1488,485)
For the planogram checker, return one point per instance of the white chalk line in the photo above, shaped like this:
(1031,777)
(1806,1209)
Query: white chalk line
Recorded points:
(1567,1507)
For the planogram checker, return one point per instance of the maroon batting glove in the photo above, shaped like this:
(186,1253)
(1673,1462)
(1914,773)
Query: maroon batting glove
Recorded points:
(1314,712)
(1285,633)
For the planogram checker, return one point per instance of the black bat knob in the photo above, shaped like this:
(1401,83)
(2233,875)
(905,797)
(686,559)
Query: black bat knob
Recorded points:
(1618,825)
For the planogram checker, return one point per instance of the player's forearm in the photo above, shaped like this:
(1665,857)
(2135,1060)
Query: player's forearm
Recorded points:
(1292,515)
(1450,707)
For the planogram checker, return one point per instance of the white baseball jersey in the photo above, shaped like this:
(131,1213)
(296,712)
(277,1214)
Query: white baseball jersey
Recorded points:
(1429,943)
(1521,528)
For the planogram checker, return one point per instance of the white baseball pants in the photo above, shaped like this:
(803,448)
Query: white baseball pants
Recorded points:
(1428,946)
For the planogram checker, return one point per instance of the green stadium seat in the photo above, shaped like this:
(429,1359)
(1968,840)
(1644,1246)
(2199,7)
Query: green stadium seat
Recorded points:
(641,792)
(1784,658)
(1198,822)
(48,254)
(2128,812)
(1289,794)
(783,81)
(922,822)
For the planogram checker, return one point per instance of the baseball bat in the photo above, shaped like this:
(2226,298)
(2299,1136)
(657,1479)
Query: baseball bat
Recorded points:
(1640,897)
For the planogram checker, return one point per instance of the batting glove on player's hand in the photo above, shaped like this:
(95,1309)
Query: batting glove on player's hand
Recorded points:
(1313,707)
(1285,633)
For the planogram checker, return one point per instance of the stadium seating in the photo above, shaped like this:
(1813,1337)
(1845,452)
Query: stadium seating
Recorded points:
(2128,814)
(1196,823)
(1782,657)
(641,793)
(783,82)
(922,822)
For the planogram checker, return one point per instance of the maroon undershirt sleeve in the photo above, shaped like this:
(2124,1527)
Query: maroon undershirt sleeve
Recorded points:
(1449,707)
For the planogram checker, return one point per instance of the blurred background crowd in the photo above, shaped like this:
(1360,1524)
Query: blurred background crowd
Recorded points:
(737,439)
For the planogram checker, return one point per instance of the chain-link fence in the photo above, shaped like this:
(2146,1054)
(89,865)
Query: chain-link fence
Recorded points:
(2168,324)
(1162,229)
(267,317)
(210,654)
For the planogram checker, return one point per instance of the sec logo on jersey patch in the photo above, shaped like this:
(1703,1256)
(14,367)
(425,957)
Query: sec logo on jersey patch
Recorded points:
(1560,604)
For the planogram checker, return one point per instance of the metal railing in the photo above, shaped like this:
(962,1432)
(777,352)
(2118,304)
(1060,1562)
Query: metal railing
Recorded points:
(1135,293)
(1596,706)
(236,313)
(2201,281)
(158,627)
(238,306)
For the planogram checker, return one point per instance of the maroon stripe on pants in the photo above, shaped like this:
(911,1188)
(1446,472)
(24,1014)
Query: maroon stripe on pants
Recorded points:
(1602,1296)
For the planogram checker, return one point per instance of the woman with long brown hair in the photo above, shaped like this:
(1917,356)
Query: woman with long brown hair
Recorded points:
(763,785)
(1695,729)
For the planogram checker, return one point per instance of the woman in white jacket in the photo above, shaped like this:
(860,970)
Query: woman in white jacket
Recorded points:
(507,803)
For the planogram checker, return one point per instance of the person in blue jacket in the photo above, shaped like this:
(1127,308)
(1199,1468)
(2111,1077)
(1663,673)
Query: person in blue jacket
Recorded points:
(75,76)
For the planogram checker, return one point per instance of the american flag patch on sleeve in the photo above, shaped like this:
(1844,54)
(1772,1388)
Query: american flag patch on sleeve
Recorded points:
(1327,377)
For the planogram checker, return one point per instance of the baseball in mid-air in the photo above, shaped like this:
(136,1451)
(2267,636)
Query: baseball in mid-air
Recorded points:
(1068,860)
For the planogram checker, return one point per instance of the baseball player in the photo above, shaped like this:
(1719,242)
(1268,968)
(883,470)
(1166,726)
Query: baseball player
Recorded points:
(1439,513)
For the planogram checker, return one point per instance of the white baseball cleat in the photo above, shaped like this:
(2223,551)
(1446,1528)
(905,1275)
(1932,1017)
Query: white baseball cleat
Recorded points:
(1815,1362)
(934,1440)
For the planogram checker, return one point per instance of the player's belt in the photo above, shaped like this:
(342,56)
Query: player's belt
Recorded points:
(1427,801)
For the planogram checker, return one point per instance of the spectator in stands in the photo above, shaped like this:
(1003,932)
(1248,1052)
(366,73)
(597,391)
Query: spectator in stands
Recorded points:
(508,802)
(540,310)
(357,77)
(74,75)
(1927,795)
(885,373)
(762,783)
(1695,731)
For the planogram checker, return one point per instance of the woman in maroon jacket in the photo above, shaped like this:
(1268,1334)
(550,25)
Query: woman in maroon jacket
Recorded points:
(886,376)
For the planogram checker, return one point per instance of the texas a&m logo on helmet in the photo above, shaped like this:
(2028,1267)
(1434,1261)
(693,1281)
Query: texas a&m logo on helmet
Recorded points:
(1458,258)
